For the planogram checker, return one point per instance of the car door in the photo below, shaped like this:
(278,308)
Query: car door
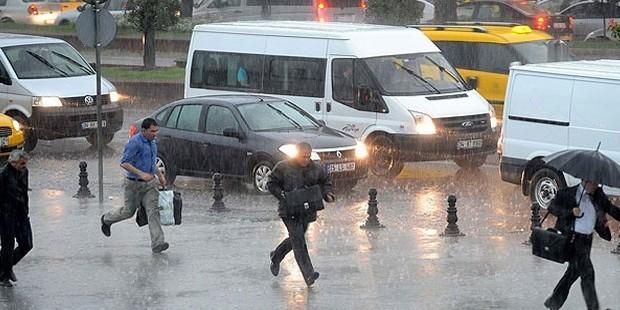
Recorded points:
(227,155)
(188,146)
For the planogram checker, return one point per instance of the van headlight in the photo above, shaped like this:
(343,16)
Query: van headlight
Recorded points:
(114,97)
(16,125)
(493,117)
(46,102)
(423,123)
(291,151)
(361,151)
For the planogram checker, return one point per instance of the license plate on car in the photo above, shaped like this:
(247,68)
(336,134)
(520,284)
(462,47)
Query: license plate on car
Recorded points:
(469,144)
(341,167)
(92,125)
(559,25)
(4,141)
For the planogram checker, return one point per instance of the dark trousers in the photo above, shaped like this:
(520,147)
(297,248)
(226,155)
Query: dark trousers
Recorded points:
(579,266)
(12,230)
(296,241)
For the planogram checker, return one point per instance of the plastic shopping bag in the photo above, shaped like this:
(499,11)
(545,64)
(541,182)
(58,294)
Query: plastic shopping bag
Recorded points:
(166,207)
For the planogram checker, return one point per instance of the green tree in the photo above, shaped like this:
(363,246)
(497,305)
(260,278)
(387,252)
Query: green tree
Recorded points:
(148,17)
(445,10)
(394,12)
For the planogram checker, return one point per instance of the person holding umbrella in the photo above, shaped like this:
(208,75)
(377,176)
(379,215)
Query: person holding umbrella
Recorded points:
(581,210)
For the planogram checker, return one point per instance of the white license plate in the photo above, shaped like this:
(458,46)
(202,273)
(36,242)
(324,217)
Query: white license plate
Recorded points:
(92,125)
(4,141)
(469,144)
(342,167)
(559,25)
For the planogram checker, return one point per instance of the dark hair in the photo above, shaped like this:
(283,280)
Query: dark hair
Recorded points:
(148,122)
(303,146)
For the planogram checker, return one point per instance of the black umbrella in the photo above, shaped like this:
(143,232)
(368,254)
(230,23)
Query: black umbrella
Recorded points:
(587,165)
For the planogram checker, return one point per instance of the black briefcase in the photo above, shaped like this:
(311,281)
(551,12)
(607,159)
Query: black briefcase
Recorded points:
(550,244)
(303,200)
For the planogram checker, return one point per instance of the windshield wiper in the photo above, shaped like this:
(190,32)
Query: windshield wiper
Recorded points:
(71,60)
(47,63)
(411,73)
(287,117)
(443,69)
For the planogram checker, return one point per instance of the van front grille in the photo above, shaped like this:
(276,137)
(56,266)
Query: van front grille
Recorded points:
(463,124)
(5,131)
(84,101)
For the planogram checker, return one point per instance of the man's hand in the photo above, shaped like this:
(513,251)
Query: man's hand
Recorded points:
(330,197)
(147,177)
(577,212)
(162,180)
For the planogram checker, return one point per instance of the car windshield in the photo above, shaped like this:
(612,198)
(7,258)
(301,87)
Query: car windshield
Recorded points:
(276,115)
(415,74)
(37,61)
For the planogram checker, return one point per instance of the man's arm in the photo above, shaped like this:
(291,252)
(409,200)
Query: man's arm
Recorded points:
(558,206)
(325,181)
(274,184)
(141,174)
(130,152)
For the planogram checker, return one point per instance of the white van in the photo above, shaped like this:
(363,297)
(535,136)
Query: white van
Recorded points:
(388,86)
(47,86)
(553,107)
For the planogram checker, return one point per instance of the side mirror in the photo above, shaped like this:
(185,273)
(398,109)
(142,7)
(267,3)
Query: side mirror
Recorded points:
(233,133)
(472,81)
(322,123)
(5,79)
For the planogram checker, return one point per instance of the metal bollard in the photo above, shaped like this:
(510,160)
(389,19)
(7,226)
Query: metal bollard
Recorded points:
(617,249)
(535,219)
(218,194)
(372,221)
(83,192)
(452,230)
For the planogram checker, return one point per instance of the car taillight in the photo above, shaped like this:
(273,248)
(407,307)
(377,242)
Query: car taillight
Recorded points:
(321,13)
(363,4)
(133,130)
(33,9)
(540,23)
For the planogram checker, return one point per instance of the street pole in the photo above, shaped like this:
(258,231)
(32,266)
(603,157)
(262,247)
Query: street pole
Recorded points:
(98,98)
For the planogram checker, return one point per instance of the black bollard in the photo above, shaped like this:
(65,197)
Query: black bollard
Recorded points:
(452,230)
(372,221)
(535,219)
(218,194)
(617,249)
(83,192)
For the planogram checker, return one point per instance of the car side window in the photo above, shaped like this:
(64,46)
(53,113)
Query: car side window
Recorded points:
(220,118)
(495,57)
(189,117)
(161,116)
(489,12)
(465,12)
(578,11)
(174,116)
(220,4)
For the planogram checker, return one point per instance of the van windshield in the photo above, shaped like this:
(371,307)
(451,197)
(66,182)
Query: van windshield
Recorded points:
(415,74)
(272,116)
(52,60)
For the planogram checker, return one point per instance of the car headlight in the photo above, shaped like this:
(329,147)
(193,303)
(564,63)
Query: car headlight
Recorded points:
(423,123)
(361,151)
(114,97)
(290,150)
(46,102)
(492,116)
(16,125)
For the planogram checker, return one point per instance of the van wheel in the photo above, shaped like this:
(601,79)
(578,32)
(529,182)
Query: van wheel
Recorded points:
(544,186)
(384,157)
(260,176)
(30,137)
(106,138)
(167,169)
(471,162)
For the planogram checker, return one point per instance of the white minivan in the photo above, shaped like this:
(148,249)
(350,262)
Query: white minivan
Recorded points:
(47,86)
(388,86)
(552,107)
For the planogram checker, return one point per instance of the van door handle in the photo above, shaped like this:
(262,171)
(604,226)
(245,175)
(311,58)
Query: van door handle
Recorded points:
(317,106)
(329,107)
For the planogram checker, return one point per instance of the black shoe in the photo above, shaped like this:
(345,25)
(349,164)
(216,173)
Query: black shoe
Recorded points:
(12,276)
(5,283)
(548,305)
(313,278)
(105,228)
(160,248)
(275,268)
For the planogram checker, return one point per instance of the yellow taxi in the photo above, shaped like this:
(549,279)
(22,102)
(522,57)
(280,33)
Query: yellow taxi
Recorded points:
(484,52)
(11,135)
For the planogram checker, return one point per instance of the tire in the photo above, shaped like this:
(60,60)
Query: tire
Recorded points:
(168,169)
(544,186)
(471,162)
(30,139)
(6,20)
(260,173)
(107,138)
(385,157)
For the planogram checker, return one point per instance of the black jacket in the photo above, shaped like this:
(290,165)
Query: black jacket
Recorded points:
(564,202)
(14,192)
(288,176)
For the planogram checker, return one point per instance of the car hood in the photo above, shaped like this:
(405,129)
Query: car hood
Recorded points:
(323,138)
(56,87)
(449,106)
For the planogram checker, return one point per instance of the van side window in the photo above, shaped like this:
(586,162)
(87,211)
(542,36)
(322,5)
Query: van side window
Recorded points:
(495,57)
(295,76)
(280,2)
(219,4)
(459,54)
(348,75)
(2,2)
(226,71)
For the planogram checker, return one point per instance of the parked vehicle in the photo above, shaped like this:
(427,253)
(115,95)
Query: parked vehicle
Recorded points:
(48,87)
(589,16)
(521,12)
(34,12)
(399,95)
(553,107)
(555,6)
(483,52)
(244,136)
(115,7)
(11,135)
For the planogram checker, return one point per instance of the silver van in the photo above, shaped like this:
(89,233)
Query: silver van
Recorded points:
(47,86)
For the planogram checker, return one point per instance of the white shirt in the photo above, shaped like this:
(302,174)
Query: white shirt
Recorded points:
(585,224)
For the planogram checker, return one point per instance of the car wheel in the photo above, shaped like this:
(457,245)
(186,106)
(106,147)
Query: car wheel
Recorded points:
(471,162)
(30,137)
(167,169)
(260,176)
(384,157)
(544,186)
(6,20)
(106,138)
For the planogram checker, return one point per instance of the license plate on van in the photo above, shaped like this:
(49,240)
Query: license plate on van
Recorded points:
(559,25)
(342,167)
(469,144)
(92,125)
(4,141)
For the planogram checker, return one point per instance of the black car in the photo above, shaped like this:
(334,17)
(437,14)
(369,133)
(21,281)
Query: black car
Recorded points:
(244,136)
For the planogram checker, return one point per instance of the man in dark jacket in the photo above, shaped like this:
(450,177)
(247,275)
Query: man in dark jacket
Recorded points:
(289,175)
(14,220)
(580,210)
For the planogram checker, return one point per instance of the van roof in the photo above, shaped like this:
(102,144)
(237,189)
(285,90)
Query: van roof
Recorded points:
(482,33)
(604,68)
(11,39)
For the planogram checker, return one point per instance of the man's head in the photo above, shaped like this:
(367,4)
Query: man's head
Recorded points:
(590,186)
(304,151)
(149,128)
(18,159)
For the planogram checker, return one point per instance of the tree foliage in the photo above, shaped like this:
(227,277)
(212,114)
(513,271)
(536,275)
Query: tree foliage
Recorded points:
(148,15)
(394,12)
(445,10)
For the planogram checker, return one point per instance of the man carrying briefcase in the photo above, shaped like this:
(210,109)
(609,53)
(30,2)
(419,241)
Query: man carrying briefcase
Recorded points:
(300,185)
